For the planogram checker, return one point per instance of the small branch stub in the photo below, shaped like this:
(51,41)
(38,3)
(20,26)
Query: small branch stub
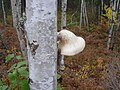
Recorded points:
(33,46)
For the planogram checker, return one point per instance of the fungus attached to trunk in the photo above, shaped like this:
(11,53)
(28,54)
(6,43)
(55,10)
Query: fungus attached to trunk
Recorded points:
(69,43)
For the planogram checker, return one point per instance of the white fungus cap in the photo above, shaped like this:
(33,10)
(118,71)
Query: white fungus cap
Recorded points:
(70,44)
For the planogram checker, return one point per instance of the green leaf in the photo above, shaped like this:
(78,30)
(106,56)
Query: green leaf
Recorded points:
(14,84)
(12,67)
(24,85)
(59,87)
(4,87)
(19,57)
(58,76)
(9,57)
(23,72)
(19,64)
(13,75)
(1,83)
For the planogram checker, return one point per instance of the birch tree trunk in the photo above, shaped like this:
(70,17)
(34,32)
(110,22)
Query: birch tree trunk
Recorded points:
(63,26)
(14,13)
(86,17)
(81,13)
(18,9)
(41,28)
(4,14)
(109,44)
(113,24)
(63,19)
(102,6)
(20,28)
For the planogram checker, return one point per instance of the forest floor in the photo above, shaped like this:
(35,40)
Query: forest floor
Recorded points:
(85,71)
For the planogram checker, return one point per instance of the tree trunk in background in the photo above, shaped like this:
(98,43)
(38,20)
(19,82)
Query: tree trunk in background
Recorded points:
(14,13)
(102,6)
(63,26)
(113,24)
(86,16)
(4,14)
(63,19)
(109,44)
(19,25)
(41,28)
(18,9)
(81,13)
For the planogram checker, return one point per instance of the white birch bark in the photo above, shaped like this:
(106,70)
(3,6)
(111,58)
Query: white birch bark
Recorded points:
(81,14)
(63,26)
(110,37)
(19,25)
(41,28)
(102,6)
(86,17)
(118,4)
(63,19)
(4,14)
(18,9)
(111,27)
(113,5)
(14,13)
(114,10)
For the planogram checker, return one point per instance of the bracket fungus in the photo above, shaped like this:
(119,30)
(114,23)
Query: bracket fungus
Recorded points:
(70,44)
